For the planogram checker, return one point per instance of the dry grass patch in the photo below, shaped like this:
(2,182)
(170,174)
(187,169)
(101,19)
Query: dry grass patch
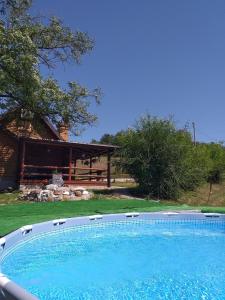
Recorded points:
(202,196)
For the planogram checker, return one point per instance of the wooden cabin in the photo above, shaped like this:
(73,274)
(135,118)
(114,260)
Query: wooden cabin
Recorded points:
(31,151)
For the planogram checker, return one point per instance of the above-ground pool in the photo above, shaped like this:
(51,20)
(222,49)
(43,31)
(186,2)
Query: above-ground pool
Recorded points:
(131,258)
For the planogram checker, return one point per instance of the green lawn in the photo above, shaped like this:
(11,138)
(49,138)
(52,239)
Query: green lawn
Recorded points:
(13,216)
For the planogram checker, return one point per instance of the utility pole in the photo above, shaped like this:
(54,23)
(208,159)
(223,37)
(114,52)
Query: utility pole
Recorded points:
(194,136)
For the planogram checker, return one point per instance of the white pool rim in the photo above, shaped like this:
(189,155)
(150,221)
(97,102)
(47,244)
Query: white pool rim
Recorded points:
(11,291)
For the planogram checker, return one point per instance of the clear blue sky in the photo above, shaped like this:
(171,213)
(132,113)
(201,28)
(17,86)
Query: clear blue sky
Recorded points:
(164,57)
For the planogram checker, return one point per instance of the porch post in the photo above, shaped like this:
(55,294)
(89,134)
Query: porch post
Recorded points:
(109,169)
(90,166)
(74,170)
(23,149)
(70,163)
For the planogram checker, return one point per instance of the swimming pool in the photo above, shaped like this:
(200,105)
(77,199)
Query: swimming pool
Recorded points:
(147,256)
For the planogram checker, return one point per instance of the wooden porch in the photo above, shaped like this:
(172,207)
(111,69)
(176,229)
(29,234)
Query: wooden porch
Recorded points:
(39,159)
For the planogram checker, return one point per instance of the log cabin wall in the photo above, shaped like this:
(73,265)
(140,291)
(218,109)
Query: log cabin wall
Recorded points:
(9,146)
(8,161)
(41,160)
(32,151)
(44,155)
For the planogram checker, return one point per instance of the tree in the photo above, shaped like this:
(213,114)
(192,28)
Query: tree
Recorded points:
(111,139)
(162,159)
(107,139)
(28,43)
(216,155)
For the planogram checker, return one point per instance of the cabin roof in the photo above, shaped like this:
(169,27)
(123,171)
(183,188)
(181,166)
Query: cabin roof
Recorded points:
(51,127)
(44,119)
(92,149)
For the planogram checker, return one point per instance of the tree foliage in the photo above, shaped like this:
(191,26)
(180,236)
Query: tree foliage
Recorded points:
(27,43)
(164,160)
(110,139)
(216,156)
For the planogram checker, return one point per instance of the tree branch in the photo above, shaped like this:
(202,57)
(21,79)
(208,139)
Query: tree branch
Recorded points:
(54,47)
(5,96)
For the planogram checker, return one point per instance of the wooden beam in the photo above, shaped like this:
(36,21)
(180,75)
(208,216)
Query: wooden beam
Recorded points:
(59,167)
(89,149)
(109,169)
(75,182)
(26,174)
(91,176)
(70,162)
(90,165)
(23,150)
(75,168)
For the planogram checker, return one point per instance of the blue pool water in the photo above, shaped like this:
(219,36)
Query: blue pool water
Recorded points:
(174,260)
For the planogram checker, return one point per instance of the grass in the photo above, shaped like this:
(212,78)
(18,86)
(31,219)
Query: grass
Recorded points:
(201,195)
(16,215)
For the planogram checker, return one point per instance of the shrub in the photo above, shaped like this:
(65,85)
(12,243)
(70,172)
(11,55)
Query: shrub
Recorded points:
(162,159)
(217,158)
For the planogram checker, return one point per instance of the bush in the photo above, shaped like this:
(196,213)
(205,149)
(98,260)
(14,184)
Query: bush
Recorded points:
(217,158)
(164,161)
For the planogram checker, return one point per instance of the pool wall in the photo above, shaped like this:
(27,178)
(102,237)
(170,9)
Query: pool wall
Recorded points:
(11,291)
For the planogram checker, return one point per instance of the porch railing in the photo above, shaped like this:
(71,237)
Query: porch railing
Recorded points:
(72,174)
